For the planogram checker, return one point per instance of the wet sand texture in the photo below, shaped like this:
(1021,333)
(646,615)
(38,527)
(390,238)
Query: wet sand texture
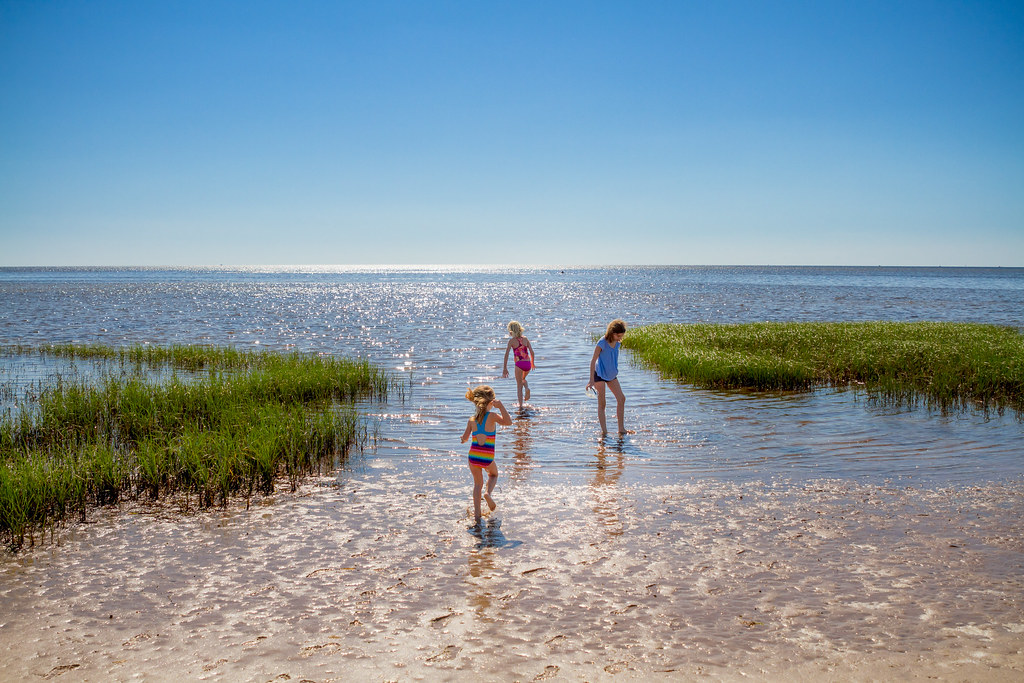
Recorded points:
(378,576)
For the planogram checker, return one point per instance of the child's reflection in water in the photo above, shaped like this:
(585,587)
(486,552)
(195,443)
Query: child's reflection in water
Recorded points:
(522,446)
(608,467)
(481,568)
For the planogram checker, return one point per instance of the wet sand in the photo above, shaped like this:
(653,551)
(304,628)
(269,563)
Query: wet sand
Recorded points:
(378,574)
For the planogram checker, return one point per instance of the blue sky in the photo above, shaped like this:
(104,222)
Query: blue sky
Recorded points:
(216,132)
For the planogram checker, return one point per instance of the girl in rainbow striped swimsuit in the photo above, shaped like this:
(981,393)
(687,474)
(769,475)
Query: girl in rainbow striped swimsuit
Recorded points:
(482,427)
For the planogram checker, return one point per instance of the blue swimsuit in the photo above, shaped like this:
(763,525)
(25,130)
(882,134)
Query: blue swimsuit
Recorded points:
(607,367)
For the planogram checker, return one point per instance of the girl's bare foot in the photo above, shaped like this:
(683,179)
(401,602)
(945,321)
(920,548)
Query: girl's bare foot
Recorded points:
(490,501)
(527,393)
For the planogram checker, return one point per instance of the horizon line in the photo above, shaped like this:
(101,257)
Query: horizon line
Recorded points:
(483,266)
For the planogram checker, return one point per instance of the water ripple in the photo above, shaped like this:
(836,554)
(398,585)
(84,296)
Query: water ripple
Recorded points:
(442,329)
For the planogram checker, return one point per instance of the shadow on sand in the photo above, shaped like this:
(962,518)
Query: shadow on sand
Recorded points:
(489,535)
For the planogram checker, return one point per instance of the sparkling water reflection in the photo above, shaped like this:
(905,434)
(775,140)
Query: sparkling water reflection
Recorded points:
(443,328)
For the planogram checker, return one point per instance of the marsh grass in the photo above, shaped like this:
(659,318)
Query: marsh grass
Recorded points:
(250,419)
(180,356)
(945,365)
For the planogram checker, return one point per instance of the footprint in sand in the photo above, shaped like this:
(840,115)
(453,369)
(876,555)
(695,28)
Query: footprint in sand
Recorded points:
(442,620)
(450,652)
(549,672)
(63,668)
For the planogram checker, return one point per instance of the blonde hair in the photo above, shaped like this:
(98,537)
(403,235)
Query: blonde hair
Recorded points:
(515,329)
(482,397)
(616,326)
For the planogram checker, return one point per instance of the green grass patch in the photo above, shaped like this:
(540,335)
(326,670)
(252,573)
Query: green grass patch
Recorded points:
(249,419)
(186,357)
(945,365)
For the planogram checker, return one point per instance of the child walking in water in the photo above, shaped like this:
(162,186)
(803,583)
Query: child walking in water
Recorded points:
(482,427)
(604,370)
(525,361)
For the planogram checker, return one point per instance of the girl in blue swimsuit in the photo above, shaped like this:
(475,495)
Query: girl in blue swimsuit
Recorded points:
(604,371)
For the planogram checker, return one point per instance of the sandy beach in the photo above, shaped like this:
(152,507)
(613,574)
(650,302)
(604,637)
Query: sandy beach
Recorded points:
(377,574)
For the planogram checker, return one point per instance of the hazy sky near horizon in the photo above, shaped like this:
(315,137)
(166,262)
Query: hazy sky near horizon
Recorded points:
(675,132)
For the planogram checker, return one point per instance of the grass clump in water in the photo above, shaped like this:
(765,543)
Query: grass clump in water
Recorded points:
(251,418)
(947,365)
(177,355)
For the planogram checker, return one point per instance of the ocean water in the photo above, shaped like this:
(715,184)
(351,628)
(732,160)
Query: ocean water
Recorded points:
(734,535)
(442,329)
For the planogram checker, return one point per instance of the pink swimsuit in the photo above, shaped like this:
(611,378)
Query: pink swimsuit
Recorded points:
(522,356)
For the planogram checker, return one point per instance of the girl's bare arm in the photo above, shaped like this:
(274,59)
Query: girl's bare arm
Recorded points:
(504,368)
(504,419)
(593,365)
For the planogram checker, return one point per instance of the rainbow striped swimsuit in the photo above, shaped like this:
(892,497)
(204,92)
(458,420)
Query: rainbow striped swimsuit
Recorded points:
(482,455)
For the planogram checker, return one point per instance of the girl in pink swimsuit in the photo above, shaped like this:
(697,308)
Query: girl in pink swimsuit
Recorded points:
(524,359)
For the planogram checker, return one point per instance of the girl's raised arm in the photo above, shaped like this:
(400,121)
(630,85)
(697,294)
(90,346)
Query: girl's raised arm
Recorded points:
(504,419)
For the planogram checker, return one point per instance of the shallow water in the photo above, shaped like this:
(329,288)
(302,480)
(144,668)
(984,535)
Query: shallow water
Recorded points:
(739,536)
(378,574)
(443,329)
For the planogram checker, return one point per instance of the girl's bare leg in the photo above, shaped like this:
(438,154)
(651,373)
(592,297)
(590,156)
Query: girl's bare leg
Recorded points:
(478,487)
(492,479)
(521,385)
(620,407)
(600,407)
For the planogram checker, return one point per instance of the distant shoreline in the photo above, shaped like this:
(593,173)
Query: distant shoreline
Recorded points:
(417,267)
